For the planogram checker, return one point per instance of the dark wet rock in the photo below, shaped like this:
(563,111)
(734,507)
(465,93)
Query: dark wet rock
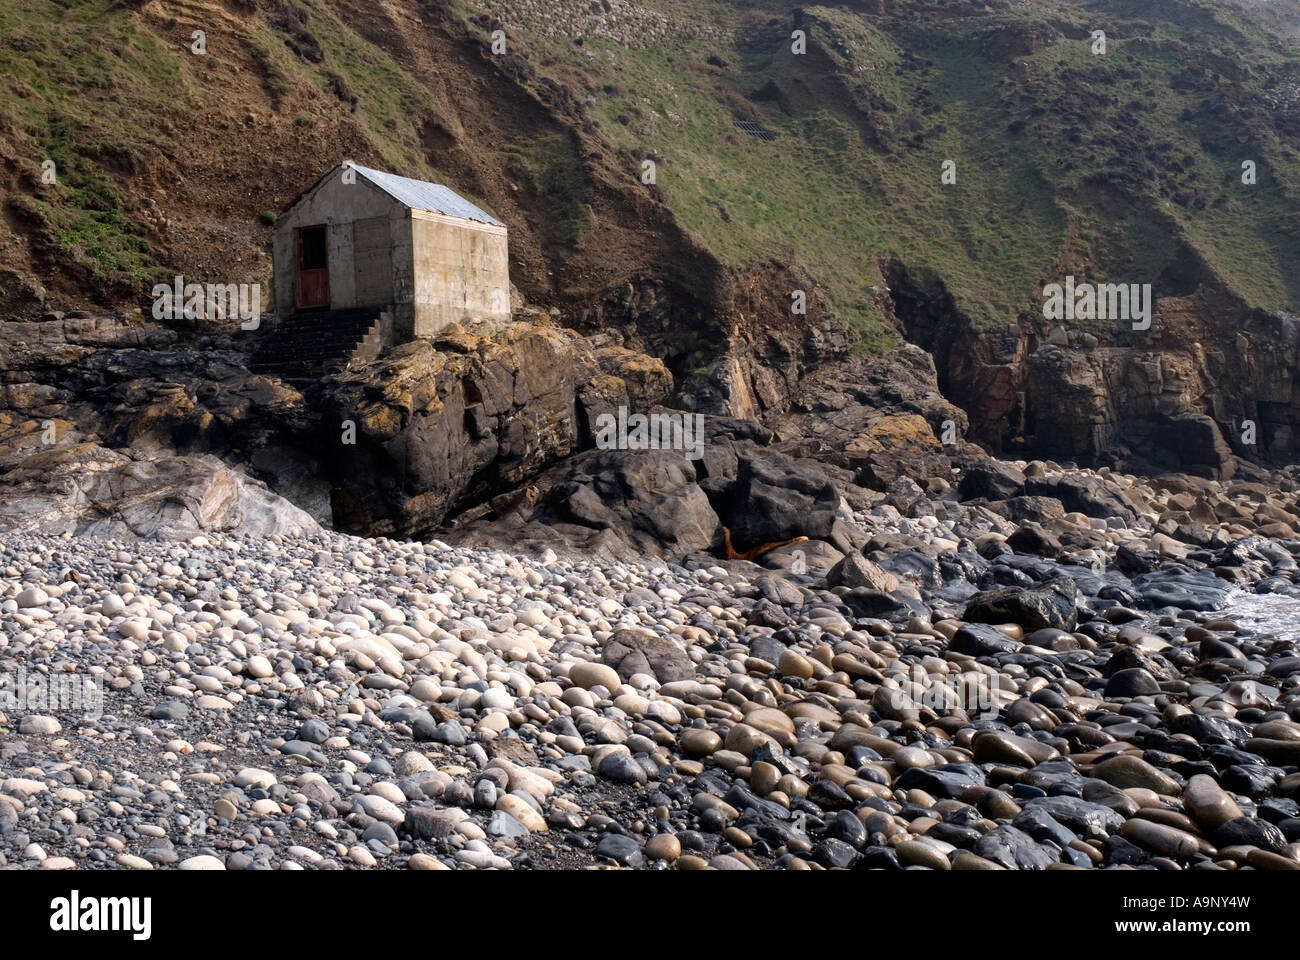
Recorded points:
(846,826)
(1277,809)
(991,480)
(982,640)
(1224,756)
(1251,780)
(1083,817)
(1132,561)
(1181,589)
(1251,832)
(949,780)
(1134,682)
(1210,729)
(1014,849)
(835,854)
(875,603)
(1052,604)
(1041,825)
(1284,667)
(620,849)
(879,858)
(742,798)
(829,795)
(956,834)
(964,564)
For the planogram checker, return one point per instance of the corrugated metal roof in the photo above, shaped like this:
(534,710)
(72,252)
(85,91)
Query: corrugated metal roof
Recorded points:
(420,195)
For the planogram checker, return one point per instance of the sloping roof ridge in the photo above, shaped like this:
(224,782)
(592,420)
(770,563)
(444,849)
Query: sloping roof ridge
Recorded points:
(425,195)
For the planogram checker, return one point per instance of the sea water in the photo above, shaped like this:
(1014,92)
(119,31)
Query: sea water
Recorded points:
(1272,613)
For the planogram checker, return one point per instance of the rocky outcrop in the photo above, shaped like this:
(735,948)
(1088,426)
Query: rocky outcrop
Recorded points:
(648,499)
(659,502)
(118,429)
(459,402)
(436,427)
(1050,604)
(483,423)
(485,436)
(991,480)
(882,418)
(1143,406)
(85,489)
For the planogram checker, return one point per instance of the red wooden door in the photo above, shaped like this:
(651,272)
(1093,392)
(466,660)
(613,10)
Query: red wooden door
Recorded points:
(313,267)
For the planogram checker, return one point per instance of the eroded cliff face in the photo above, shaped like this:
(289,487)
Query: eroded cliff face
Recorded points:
(734,346)
(1210,381)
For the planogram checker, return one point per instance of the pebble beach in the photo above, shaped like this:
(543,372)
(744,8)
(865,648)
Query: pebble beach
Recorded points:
(333,702)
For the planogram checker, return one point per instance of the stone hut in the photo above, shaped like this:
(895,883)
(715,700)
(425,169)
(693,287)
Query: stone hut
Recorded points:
(416,255)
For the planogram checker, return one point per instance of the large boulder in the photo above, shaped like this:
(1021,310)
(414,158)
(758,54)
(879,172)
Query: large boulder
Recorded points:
(1053,603)
(87,490)
(647,498)
(1034,538)
(640,651)
(1038,509)
(777,498)
(1088,494)
(991,480)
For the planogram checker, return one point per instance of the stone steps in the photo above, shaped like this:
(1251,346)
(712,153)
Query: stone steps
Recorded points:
(307,346)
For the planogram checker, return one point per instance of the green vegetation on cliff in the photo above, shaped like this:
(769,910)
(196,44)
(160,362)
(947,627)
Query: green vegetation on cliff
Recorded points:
(1122,166)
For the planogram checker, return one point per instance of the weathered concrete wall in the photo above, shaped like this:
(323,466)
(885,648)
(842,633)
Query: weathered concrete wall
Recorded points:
(373,278)
(431,270)
(461,271)
(402,329)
